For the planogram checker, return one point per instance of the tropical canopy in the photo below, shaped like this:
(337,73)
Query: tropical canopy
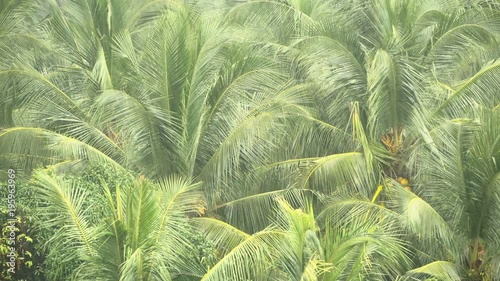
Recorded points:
(307,140)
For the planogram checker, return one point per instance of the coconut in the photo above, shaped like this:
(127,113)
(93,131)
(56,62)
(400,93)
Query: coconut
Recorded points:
(404,182)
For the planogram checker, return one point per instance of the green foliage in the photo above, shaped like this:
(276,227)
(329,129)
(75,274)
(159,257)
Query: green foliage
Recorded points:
(91,178)
(29,254)
(254,140)
(128,232)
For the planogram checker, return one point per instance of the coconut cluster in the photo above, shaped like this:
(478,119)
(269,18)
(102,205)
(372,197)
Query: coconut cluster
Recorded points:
(405,183)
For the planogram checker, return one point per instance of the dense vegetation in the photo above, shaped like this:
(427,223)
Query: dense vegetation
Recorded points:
(252,140)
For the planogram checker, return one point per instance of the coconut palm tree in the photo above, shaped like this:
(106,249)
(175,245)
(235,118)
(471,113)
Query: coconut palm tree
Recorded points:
(186,102)
(461,183)
(142,233)
(295,247)
(375,84)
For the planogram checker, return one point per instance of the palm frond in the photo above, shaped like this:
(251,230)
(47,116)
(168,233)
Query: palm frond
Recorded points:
(479,89)
(439,269)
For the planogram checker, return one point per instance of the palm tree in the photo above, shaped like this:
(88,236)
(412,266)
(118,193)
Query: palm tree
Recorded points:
(184,103)
(301,246)
(461,183)
(142,232)
(385,70)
